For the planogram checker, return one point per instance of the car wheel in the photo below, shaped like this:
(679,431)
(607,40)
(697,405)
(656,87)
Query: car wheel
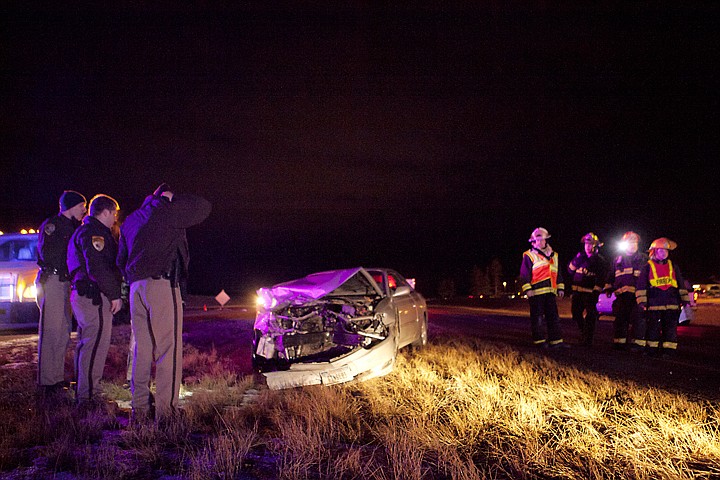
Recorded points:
(259,363)
(423,338)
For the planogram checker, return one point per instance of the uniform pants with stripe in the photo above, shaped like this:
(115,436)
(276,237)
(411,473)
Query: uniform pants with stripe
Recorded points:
(156,315)
(543,309)
(661,329)
(93,343)
(53,299)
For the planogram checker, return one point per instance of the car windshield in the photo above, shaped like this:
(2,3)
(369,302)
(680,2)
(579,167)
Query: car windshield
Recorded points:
(18,249)
(355,285)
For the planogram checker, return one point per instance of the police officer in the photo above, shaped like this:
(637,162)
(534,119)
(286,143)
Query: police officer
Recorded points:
(153,256)
(661,293)
(95,296)
(587,271)
(542,282)
(622,280)
(53,291)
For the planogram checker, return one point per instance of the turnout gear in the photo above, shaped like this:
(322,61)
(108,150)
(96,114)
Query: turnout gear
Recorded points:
(587,273)
(540,273)
(661,293)
(622,279)
(542,281)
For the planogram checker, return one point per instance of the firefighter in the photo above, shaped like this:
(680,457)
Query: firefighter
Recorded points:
(153,256)
(95,296)
(661,293)
(622,279)
(542,282)
(53,291)
(587,271)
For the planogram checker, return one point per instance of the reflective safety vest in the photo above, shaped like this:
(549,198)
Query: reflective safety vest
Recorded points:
(662,275)
(544,272)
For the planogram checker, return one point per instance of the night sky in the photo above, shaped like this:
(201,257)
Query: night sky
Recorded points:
(426,138)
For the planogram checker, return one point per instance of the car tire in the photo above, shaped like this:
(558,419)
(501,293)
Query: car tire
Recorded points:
(258,362)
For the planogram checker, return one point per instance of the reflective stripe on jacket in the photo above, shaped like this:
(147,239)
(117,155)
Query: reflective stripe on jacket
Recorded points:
(625,272)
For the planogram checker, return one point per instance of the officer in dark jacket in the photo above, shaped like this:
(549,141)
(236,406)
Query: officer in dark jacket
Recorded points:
(95,297)
(53,290)
(587,271)
(153,256)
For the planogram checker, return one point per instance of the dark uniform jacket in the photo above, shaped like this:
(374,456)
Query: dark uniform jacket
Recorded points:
(153,242)
(668,291)
(625,272)
(91,260)
(53,238)
(587,274)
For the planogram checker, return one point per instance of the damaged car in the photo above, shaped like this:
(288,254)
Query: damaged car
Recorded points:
(336,326)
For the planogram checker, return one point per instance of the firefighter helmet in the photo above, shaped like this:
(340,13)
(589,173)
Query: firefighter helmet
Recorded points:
(662,242)
(631,236)
(539,232)
(591,238)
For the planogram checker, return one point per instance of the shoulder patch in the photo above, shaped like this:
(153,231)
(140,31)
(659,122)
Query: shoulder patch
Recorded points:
(98,242)
(49,228)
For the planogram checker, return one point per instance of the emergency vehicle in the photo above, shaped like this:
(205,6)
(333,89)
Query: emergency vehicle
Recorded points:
(18,269)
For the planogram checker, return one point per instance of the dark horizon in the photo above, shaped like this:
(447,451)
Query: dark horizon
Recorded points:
(426,138)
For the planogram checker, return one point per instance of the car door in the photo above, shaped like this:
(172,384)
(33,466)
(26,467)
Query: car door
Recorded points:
(405,306)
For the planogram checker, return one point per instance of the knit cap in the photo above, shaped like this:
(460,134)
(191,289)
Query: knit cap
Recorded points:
(69,199)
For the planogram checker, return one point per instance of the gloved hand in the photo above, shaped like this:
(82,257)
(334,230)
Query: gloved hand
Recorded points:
(561,293)
(608,293)
(530,293)
(162,188)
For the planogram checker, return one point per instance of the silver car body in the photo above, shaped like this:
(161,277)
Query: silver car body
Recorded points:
(336,326)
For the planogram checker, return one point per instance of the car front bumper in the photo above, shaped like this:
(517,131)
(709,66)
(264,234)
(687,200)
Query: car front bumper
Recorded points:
(359,365)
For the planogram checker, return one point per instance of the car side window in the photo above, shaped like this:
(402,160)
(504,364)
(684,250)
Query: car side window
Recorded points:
(378,277)
(5,252)
(396,280)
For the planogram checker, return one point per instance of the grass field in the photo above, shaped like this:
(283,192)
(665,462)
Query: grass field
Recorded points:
(459,409)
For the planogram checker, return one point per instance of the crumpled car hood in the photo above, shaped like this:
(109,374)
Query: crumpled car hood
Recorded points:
(313,286)
(326,328)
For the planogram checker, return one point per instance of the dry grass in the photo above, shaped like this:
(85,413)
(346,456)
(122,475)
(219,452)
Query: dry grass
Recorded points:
(455,410)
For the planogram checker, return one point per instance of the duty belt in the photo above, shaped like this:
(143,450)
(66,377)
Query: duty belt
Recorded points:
(51,271)
(165,276)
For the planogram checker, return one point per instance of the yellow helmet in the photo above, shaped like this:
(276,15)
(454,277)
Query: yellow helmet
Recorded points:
(662,242)
(591,238)
(631,236)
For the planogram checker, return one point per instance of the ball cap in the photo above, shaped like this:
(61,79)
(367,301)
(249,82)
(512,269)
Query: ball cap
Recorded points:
(69,199)
(539,232)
